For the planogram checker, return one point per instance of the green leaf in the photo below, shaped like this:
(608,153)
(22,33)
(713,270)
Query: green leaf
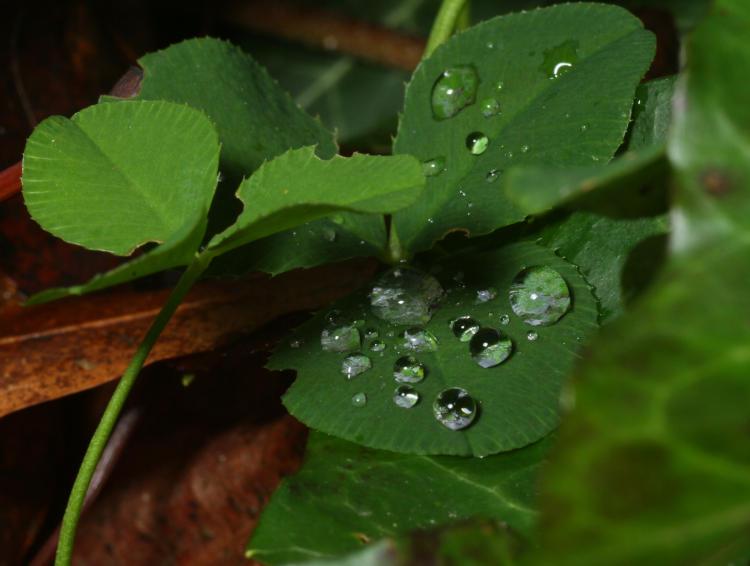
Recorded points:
(653,466)
(629,185)
(298,187)
(518,399)
(117,176)
(709,146)
(575,119)
(345,494)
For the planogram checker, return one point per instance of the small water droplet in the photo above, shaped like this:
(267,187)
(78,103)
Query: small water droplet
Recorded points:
(539,296)
(499,85)
(489,107)
(355,364)
(532,336)
(509,154)
(489,347)
(485,295)
(490,45)
(405,396)
(372,333)
(454,408)
(492,175)
(329,234)
(377,346)
(359,399)
(406,295)
(419,340)
(584,127)
(504,319)
(454,90)
(340,339)
(408,369)
(296,342)
(560,59)
(433,167)
(477,143)
(464,328)
(431,221)
(524,148)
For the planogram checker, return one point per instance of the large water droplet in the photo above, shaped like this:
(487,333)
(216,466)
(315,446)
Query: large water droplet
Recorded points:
(406,295)
(560,59)
(433,167)
(485,295)
(489,347)
(408,369)
(464,328)
(454,90)
(489,107)
(355,364)
(405,396)
(340,339)
(477,143)
(454,408)
(359,399)
(419,340)
(539,296)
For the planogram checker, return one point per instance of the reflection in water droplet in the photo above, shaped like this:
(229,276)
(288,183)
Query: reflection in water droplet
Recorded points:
(377,346)
(359,399)
(454,408)
(405,396)
(419,340)
(477,143)
(433,167)
(485,295)
(406,295)
(489,347)
(340,339)
(531,336)
(539,296)
(489,107)
(408,369)
(492,175)
(560,59)
(464,328)
(355,364)
(454,90)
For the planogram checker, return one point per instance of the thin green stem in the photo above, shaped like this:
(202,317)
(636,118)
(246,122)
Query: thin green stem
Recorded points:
(444,24)
(111,413)
(394,252)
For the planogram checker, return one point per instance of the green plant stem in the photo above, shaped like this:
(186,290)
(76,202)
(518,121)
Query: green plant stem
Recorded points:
(445,23)
(394,252)
(111,413)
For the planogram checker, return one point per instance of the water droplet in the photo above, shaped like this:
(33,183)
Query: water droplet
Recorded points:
(296,342)
(329,234)
(504,319)
(489,347)
(355,364)
(359,399)
(408,369)
(489,107)
(406,295)
(490,45)
(431,221)
(477,143)
(419,340)
(454,408)
(499,85)
(539,296)
(584,127)
(340,339)
(492,175)
(433,167)
(509,154)
(334,317)
(454,90)
(560,59)
(377,346)
(405,396)
(464,328)
(524,148)
(372,333)
(485,295)
(531,336)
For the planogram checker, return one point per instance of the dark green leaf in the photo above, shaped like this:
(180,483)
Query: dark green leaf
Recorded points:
(299,186)
(518,399)
(345,495)
(576,119)
(117,176)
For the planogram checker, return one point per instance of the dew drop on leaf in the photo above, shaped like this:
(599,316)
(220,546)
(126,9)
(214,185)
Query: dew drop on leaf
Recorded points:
(406,295)
(377,346)
(464,328)
(532,336)
(408,369)
(296,342)
(559,59)
(419,340)
(489,347)
(340,339)
(405,396)
(433,167)
(454,408)
(454,90)
(359,399)
(505,319)
(329,234)
(477,142)
(489,107)
(372,333)
(355,364)
(492,175)
(539,296)
(485,295)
